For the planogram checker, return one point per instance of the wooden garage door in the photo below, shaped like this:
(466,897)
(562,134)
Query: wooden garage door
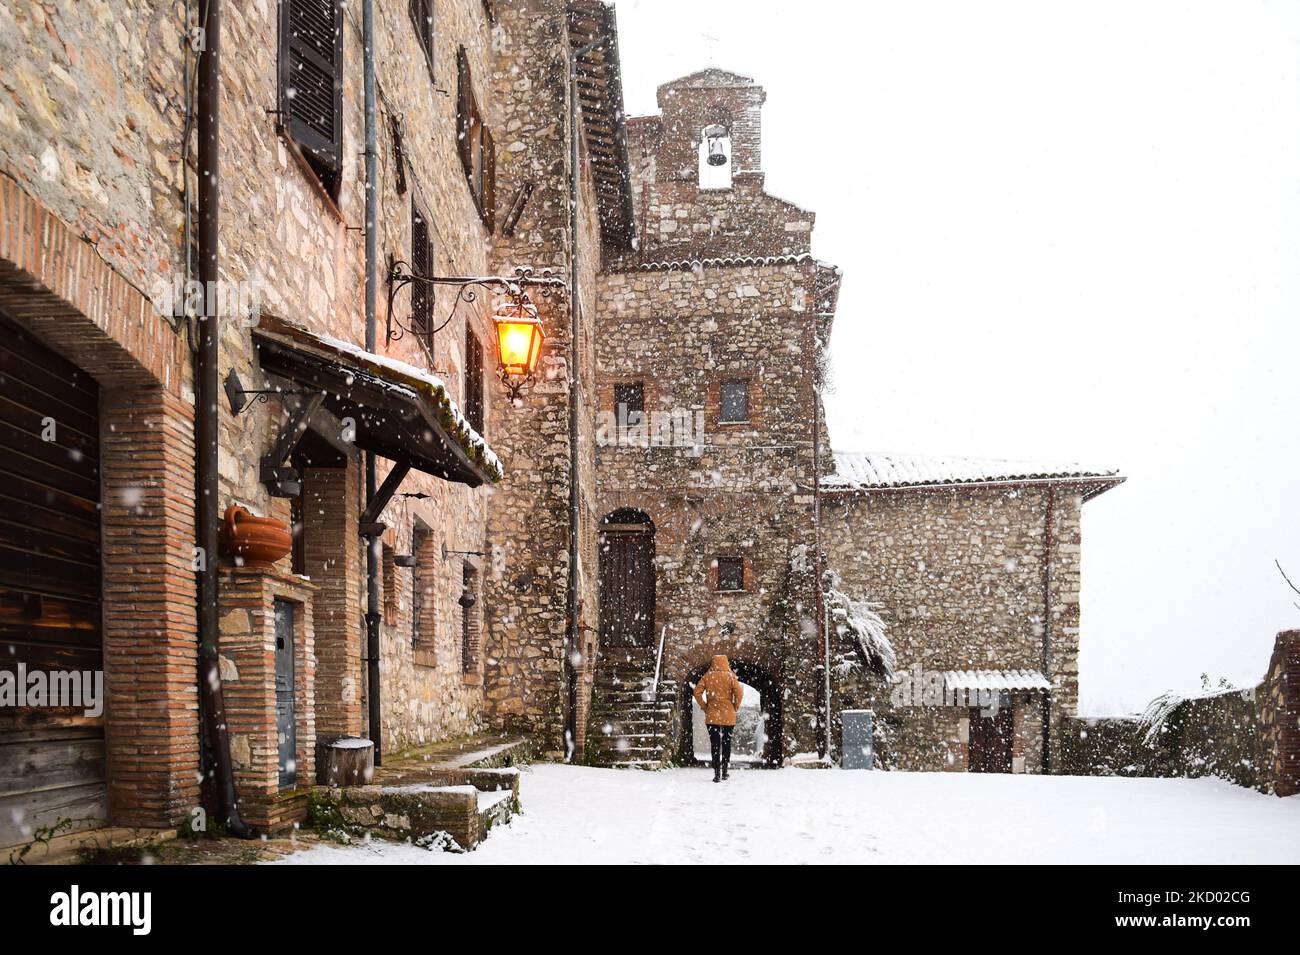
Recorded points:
(51,760)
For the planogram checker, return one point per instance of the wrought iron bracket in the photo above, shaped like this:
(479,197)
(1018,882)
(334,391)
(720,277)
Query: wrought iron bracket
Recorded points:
(466,288)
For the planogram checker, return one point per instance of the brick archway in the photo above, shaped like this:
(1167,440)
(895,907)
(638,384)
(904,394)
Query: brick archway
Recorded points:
(56,285)
(751,674)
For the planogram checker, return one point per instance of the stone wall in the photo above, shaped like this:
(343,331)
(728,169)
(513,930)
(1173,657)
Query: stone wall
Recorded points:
(958,576)
(715,488)
(1250,736)
(304,252)
(90,124)
(525,680)
(676,218)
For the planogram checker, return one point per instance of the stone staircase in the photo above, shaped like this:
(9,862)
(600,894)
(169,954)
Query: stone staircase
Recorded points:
(630,724)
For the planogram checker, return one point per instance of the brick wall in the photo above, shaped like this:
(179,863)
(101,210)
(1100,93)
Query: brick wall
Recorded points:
(248,650)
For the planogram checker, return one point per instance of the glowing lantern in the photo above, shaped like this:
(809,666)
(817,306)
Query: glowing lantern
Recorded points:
(519,337)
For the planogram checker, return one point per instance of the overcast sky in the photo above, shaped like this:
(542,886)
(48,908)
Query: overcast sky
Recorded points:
(1069,231)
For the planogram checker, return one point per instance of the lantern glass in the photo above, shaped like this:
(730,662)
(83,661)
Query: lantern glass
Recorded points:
(519,337)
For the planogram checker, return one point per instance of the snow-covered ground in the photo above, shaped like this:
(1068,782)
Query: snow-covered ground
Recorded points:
(575,814)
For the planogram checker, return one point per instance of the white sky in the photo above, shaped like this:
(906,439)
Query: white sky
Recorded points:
(1070,231)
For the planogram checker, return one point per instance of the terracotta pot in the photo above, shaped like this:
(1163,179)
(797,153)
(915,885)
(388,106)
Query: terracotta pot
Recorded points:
(256,542)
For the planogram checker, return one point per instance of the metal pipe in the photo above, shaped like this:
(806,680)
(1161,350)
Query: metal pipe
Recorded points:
(205,419)
(373,543)
(571,596)
(1047,626)
(824,646)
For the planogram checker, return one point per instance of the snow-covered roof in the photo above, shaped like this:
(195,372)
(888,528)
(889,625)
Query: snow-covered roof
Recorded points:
(395,377)
(858,471)
(728,262)
(995,680)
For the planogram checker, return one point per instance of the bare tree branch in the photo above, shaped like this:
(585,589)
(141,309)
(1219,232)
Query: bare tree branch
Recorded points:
(1287,579)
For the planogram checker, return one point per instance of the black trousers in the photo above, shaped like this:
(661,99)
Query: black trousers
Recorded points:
(720,745)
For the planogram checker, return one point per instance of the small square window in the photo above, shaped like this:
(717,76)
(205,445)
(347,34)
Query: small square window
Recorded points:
(733,400)
(629,397)
(731,573)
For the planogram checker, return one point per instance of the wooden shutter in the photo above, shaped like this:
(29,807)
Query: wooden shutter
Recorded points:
(422,18)
(399,153)
(464,112)
(473,381)
(488,205)
(51,760)
(311,77)
(421,300)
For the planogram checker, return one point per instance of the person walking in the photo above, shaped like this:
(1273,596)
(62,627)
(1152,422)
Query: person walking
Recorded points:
(719,694)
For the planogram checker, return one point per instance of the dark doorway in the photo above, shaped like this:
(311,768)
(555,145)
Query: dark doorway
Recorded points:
(627,580)
(285,723)
(754,679)
(990,740)
(52,760)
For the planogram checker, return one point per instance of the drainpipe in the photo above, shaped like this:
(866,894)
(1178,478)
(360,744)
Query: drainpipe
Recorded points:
(1047,626)
(205,419)
(571,598)
(823,631)
(373,543)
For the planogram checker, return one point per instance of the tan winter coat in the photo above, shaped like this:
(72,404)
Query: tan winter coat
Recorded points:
(719,693)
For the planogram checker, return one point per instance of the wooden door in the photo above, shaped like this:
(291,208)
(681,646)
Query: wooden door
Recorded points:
(51,760)
(990,740)
(627,585)
(285,715)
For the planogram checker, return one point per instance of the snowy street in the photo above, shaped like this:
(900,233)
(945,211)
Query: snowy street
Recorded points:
(577,814)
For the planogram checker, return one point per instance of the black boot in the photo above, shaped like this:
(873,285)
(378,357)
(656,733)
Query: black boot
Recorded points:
(717,775)
(725,767)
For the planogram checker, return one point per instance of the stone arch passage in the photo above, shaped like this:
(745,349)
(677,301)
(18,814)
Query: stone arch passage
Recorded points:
(753,675)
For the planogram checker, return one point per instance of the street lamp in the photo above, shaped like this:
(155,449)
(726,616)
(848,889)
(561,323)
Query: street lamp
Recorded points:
(519,341)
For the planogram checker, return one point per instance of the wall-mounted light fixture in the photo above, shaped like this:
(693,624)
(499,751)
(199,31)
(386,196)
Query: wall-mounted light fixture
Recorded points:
(519,331)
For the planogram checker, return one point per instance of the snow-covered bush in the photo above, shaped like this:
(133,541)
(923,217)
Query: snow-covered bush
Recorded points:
(863,643)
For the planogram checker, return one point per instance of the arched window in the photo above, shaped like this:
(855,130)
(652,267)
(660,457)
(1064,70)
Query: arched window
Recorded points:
(715,158)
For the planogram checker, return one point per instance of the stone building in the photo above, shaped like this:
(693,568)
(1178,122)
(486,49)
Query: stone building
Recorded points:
(556,558)
(468,520)
(709,450)
(974,567)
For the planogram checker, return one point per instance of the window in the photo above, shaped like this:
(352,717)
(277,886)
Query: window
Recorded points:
(311,84)
(422,595)
(422,20)
(474,141)
(389,564)
(629,397)
(731,573)
(473,381)
(733,400)
(421,264)
(470,620)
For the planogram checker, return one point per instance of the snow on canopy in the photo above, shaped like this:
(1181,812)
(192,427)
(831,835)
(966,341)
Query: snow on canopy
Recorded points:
(410,380)
(858,623)
(856,470)
(995,680)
